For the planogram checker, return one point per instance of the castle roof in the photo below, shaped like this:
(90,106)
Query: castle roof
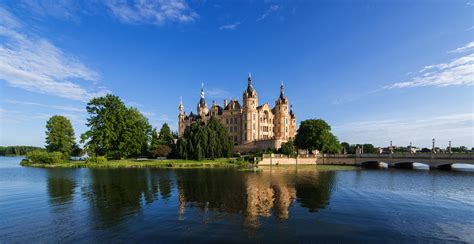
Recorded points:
(250,92)
(282,98)
(202,101)
(219,109)
(233,105)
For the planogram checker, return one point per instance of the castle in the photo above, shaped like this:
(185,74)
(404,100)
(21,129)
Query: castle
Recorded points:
(251,127)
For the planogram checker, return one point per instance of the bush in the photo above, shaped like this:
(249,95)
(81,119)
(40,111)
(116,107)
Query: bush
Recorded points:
(43,157)
(97,160)
(160,151)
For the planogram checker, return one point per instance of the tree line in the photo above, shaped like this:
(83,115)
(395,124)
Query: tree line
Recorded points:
(17,150)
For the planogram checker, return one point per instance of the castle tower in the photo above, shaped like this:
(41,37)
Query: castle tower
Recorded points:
(282,116)
(249,113)
(202,109)
(181,117)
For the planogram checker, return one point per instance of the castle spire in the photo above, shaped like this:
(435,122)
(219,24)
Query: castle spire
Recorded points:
(202,90)
(181,107)
(282,91)
(250,79)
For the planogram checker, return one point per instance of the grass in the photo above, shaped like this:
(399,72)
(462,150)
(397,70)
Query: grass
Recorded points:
(132,163)
(181,163)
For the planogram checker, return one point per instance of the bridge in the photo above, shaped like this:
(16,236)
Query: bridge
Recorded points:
(396,160)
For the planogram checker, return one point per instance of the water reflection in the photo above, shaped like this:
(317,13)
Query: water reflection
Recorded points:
(255,195)
(61,186)
(116,194)
(217,205)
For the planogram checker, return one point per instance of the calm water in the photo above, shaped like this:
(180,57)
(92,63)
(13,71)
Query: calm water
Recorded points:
(216,205)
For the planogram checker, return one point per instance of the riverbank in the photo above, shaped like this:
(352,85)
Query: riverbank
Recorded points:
(132,163)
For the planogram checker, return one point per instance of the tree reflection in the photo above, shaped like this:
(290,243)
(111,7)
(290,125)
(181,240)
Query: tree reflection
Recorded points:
(115,194)
(61,186)
(314,192)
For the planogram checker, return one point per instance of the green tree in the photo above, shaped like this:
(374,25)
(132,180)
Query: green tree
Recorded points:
(202,140)
(136,135)
(154,139)
(166,137)
(369,148)
(76,150)
(114,129)
(288,148)
(59,135)
(316,134)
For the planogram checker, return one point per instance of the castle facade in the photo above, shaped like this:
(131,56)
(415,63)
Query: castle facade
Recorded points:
(251,126)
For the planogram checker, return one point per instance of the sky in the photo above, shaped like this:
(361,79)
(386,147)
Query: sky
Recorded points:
(376,71)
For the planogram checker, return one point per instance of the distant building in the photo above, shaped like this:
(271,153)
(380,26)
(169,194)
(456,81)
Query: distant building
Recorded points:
(251,126)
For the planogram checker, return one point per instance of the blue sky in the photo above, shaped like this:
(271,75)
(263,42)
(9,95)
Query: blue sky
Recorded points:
(377,71)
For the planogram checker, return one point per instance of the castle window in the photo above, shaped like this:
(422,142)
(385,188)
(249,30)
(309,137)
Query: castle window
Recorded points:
(227,121)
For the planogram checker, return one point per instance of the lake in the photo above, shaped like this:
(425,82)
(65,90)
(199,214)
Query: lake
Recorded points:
(290,204)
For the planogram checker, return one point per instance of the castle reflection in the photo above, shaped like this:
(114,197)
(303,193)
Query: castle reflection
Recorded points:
(115,195)
(254,195)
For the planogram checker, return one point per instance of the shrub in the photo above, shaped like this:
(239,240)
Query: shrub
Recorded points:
(43,157)
(97,160)
(160,151)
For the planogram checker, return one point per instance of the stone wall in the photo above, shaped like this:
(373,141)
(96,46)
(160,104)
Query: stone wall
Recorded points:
(258,146)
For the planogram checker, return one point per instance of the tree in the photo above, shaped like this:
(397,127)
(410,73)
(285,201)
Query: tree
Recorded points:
(114,129)
(59,135)
(202,140)
(76,150)
(136,135)
(165,136)
(154,139)
(316,134)
(288,148)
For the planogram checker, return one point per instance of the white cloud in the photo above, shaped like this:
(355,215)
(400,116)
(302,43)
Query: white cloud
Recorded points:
(457,72)
(58,107)
(273,8)
(152,12)
(467,47)
(37,65)
(458,128)
(230,26)
(62,9)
